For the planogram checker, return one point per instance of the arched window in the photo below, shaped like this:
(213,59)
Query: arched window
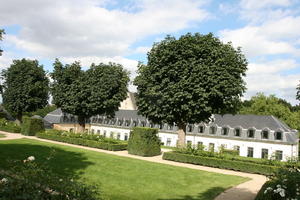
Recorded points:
(127,122)
(265,134)
(250,133)
(143,123)
(237,132)
(225,131)
(278,135)
(212,130)
(201,129)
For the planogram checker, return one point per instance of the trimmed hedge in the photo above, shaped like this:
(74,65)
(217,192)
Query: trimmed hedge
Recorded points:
(144,142)
(221,163)
(31,126)
(9,126)
(84,142)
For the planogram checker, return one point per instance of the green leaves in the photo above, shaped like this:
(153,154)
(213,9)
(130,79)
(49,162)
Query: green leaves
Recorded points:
(26,86)
(188,79)
(99,90)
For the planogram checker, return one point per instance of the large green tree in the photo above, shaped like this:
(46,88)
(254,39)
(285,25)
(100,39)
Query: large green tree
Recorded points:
(25,86)
(98,90)
(187,80)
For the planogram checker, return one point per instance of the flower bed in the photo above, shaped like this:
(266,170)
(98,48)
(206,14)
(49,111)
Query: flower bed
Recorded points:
(221,163)
(84,139)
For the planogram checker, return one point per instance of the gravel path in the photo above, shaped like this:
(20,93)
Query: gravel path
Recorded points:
(244,191)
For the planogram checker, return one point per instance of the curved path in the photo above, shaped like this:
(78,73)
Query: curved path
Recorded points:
(244,191)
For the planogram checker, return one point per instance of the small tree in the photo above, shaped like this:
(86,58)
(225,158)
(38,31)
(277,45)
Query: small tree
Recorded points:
(99,90)
(26,87)
(189,79)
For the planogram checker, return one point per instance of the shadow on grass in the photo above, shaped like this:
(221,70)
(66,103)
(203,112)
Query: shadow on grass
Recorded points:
(62,162)
(206,195)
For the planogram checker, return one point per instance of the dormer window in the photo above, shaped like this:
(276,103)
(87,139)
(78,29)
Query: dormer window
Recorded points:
(237,132)
(265,134)
(134,123)
(225,131)
(250,133)
(127,123)
(201,129)
(100,120)
(120,122)
(212,130)
(161,126)
(143,123)
(190,128)
(170,127)
(278,135)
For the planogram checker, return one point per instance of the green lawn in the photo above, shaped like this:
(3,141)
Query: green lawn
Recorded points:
(122,178)
(2,135)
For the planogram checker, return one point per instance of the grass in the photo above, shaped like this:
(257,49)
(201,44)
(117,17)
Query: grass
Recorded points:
(122,178)
(2,135)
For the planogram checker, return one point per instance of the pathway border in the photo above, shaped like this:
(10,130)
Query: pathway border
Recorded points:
(244,191)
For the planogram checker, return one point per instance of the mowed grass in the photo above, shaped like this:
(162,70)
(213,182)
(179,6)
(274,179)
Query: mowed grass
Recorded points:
(122,178)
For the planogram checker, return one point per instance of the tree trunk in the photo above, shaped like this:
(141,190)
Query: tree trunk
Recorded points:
(181,135)
(19,118)
(81,122)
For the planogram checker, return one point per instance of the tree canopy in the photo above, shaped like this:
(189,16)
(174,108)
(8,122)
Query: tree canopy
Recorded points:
(189,79)
(271,105)
(98,90)
(26,87)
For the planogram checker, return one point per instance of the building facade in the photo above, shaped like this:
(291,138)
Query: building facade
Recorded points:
(252,135)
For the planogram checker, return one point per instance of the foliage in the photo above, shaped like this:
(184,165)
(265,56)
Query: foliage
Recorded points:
(271,105)
(99,90)
(31,126)
(1,36)
(285,184)
(43,111)
(95,141)
(144,142)
(221,163)
(189,79)
(9,126)
(28,180)
(298,92)
(25,87)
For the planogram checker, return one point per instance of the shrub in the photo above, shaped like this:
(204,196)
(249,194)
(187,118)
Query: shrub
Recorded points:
(95,141)
(285,184)
(31,126)
(28,180)
(9,126)
(221,163)
(144,142)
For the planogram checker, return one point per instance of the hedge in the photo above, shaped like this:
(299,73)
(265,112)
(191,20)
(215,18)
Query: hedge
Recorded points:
(84,142)
(144,142)
(31,126)
(9,126)
(221,163)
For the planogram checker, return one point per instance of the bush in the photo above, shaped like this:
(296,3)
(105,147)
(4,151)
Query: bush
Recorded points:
(221,163)
(144,142)
(285,184)
(31,126)
(9,126)
(28,180)
(95,141)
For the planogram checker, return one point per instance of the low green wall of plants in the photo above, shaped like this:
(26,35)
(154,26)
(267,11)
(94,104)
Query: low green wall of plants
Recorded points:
(31,126)
(84,140)
(221,163)
(9,126)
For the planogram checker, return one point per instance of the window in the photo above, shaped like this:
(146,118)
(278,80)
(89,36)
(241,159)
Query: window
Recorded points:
(200,145)
(113,121)
(278,155)
(93,131)
(250,152)
(120,122)
(250,133)
(264,153)
(161,126)
(212,130)
(237,148)
(151,125)
(237,132)
(71,130)
(168,142)
(104,133)
(265,134)
(189,143)
(134,123)
(126,137)
(201,129)
(118,136)
(127,123)
(225,131)
(190,128)
(143,123)
(170,127)
(111,135)
(211,147)
(98,131)
(100,120)
(278,135)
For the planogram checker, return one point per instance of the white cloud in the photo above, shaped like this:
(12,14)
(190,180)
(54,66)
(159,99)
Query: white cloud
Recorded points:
(86,28)
(271,67)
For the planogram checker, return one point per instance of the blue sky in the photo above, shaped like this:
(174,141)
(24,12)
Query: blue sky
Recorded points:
(123,31)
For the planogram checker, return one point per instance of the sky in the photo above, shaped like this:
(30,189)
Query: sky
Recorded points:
(123,31)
